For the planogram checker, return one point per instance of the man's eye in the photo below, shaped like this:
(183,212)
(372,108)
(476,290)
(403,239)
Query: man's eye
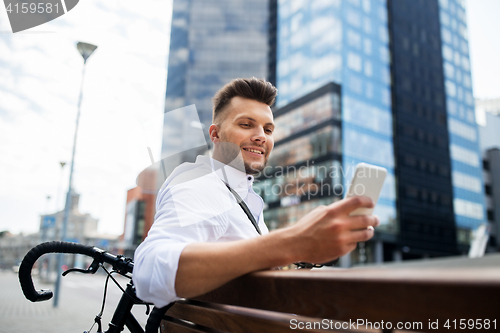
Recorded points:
(245,125)
(268,130)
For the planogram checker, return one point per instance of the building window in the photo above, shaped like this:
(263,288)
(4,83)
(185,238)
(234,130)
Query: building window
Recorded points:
(462,130)
(443,3)
(488,190)
(307,147)
(308,115)
(369,90)
(451,88)
(486,165)
(446,35)
(383,34)
(357,112)
(468,209)
(447,53)
(366,6)
(464,155)
(353,39)
(452,107)
(384,54)
(353,18)
(411,192)
(367,25)
(368,68)
(410,160)
(356,84)
(466,182)
(449,70)
(463,236)
(367,46)
(445,199)
(354,61)
(445,18)
(382,14)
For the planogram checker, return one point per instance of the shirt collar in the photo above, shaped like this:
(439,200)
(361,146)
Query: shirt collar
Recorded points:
(231,176)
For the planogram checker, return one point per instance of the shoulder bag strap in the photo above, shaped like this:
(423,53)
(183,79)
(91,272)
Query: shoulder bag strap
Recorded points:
(245,208)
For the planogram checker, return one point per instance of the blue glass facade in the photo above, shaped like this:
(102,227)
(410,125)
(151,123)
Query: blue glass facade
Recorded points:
(468,189)
(303,170)
(345,42)
(213,42)
(309,47)
(366,97)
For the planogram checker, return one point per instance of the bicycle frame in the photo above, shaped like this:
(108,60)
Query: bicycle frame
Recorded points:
(123,315)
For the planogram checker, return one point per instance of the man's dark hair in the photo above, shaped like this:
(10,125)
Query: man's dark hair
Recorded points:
(256,89)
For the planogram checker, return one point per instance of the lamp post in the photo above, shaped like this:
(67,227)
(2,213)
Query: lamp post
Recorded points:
(50,257)
(86,51)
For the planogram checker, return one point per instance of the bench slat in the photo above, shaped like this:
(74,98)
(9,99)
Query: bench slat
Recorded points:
(405,295)
(237,319)
(174,325)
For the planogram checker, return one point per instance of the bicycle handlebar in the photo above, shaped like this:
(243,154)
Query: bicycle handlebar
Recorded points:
(119,263)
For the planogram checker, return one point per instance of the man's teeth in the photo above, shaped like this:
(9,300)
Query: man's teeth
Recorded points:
(253,151)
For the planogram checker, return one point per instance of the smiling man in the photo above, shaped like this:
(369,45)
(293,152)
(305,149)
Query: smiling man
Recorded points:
(208,219)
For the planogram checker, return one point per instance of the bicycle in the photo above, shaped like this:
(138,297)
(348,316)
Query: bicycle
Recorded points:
(122,316)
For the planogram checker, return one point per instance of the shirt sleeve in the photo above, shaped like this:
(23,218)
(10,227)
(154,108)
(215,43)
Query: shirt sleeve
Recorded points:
(188,212)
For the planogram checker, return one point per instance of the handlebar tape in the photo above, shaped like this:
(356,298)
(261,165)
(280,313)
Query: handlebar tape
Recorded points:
(31,257)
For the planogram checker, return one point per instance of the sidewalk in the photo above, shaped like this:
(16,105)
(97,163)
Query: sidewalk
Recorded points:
(79,302)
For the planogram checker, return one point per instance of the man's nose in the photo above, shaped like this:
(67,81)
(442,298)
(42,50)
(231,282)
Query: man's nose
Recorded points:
(259,135)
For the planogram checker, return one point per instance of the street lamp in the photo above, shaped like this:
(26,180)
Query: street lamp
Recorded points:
(86,51)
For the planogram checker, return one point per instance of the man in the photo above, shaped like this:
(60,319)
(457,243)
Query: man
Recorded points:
(202,238)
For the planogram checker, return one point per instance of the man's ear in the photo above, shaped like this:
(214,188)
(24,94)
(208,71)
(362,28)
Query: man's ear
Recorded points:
(214,133)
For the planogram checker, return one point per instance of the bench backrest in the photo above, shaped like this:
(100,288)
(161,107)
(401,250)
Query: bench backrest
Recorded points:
(345,300)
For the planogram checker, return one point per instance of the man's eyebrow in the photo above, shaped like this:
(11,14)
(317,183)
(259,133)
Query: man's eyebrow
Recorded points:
(251,119)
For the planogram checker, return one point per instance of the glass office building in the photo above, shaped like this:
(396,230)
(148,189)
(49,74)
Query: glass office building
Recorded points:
(346,42)
(406,105)
(425,205)
(466,166)
(212,42)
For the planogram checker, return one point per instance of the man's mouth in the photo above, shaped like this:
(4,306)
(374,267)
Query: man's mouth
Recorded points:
(254,151)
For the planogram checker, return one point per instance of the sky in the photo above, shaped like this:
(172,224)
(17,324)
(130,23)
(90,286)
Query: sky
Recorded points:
(484,47)
(124,88)
(122,107)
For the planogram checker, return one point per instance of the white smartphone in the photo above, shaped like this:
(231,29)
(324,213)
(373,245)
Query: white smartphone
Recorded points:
(368,181)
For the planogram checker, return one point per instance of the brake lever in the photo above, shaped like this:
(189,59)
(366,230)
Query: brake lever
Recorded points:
(94,266)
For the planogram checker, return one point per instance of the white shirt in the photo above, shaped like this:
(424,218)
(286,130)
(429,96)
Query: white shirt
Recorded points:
(193,205)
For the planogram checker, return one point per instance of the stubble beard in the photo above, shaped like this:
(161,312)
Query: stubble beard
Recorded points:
(232,152)
(253,168)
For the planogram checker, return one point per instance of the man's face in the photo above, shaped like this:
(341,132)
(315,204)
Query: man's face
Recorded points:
(248,125)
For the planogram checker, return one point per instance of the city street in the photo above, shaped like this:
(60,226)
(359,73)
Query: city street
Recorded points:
(80,301)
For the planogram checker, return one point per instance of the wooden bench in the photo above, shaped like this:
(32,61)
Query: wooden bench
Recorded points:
(340,299)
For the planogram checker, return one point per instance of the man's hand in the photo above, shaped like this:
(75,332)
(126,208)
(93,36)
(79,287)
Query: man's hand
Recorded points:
(328,232)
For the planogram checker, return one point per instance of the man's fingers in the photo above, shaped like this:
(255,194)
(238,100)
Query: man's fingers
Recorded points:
(363,235)
(347,205)
(363,222)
